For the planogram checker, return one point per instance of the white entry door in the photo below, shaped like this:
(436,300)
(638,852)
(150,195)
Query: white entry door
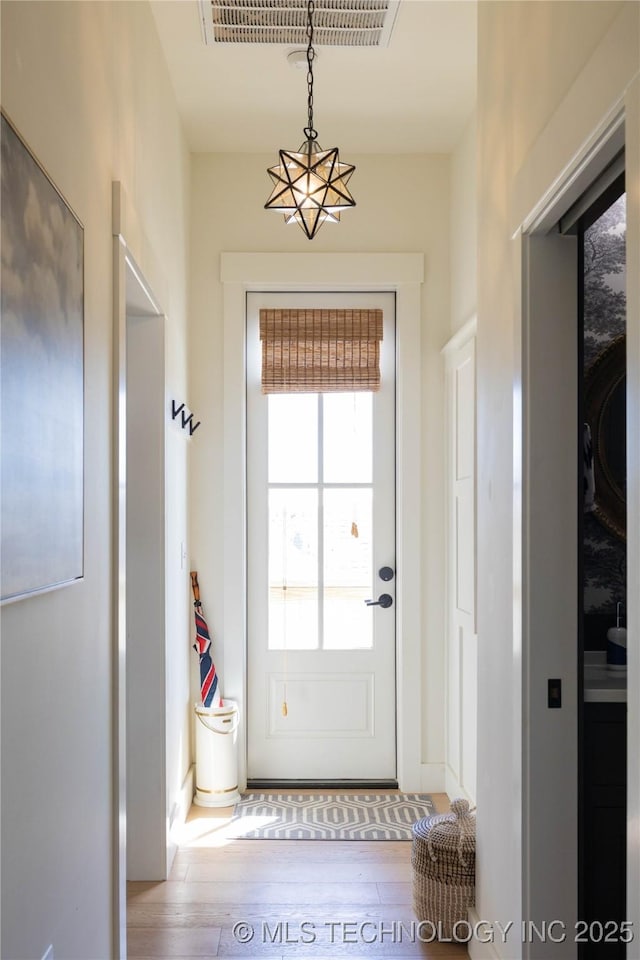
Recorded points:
(321,527)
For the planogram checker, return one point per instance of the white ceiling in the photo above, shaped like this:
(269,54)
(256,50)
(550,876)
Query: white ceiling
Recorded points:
(413,97)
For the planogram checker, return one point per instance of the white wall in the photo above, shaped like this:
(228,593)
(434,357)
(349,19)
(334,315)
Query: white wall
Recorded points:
(402,206)
(464,227)
(531,56)
(86,85)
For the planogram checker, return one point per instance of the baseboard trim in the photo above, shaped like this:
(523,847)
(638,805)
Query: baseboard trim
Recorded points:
(179,813)
(476,948)
(185,797)
(432,778)
(454,788)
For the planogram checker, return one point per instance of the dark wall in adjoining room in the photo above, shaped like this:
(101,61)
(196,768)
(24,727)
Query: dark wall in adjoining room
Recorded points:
(604,554)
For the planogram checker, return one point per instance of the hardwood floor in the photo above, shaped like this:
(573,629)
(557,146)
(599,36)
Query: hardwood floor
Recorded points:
(298,899)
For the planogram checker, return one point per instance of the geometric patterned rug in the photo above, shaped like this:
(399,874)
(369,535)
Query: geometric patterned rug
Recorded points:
(298,816)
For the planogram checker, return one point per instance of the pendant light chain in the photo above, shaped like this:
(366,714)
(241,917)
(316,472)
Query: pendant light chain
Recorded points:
(310,184)
(309,131)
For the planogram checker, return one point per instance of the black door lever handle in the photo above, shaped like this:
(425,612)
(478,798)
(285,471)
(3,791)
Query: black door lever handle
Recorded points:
(384,600)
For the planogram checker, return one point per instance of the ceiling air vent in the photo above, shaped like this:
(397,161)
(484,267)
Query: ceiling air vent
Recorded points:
(336,23)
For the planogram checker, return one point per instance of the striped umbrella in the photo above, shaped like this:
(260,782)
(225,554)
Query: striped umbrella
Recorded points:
(209,687)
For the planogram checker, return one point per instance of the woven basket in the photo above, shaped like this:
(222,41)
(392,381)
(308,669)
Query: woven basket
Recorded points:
(443,858)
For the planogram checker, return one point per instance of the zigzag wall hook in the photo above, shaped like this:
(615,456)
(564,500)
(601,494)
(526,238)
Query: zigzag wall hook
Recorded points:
(186,418)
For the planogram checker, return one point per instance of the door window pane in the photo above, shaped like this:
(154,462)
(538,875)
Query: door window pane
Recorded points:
(347,437)
(348,563)
(293,569)
(293,438)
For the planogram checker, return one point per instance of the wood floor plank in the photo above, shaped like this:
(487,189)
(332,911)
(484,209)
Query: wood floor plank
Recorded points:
(171,891)
(173,943)
(432,951)
(219,914)
(395,892)
(334,939)
(296,872)
(376,851)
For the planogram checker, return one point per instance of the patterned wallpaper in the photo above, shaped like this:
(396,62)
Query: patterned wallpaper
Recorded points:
(605,556)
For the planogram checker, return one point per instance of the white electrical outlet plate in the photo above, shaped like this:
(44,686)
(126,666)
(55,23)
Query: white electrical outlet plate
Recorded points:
(48,954)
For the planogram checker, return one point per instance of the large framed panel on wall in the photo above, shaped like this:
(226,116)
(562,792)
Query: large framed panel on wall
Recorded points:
(42,376)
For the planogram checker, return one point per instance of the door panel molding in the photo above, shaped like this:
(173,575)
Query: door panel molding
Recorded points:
(461,635)
(350,697)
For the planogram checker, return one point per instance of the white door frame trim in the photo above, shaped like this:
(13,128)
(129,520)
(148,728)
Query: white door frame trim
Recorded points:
(603,142)
(126,271)
(402,273)
(547,559)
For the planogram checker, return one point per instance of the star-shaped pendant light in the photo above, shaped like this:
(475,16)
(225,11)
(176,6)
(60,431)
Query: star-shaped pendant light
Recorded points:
(310,184)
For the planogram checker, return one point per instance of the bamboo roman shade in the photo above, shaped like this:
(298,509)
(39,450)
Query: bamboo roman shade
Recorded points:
(320,351)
